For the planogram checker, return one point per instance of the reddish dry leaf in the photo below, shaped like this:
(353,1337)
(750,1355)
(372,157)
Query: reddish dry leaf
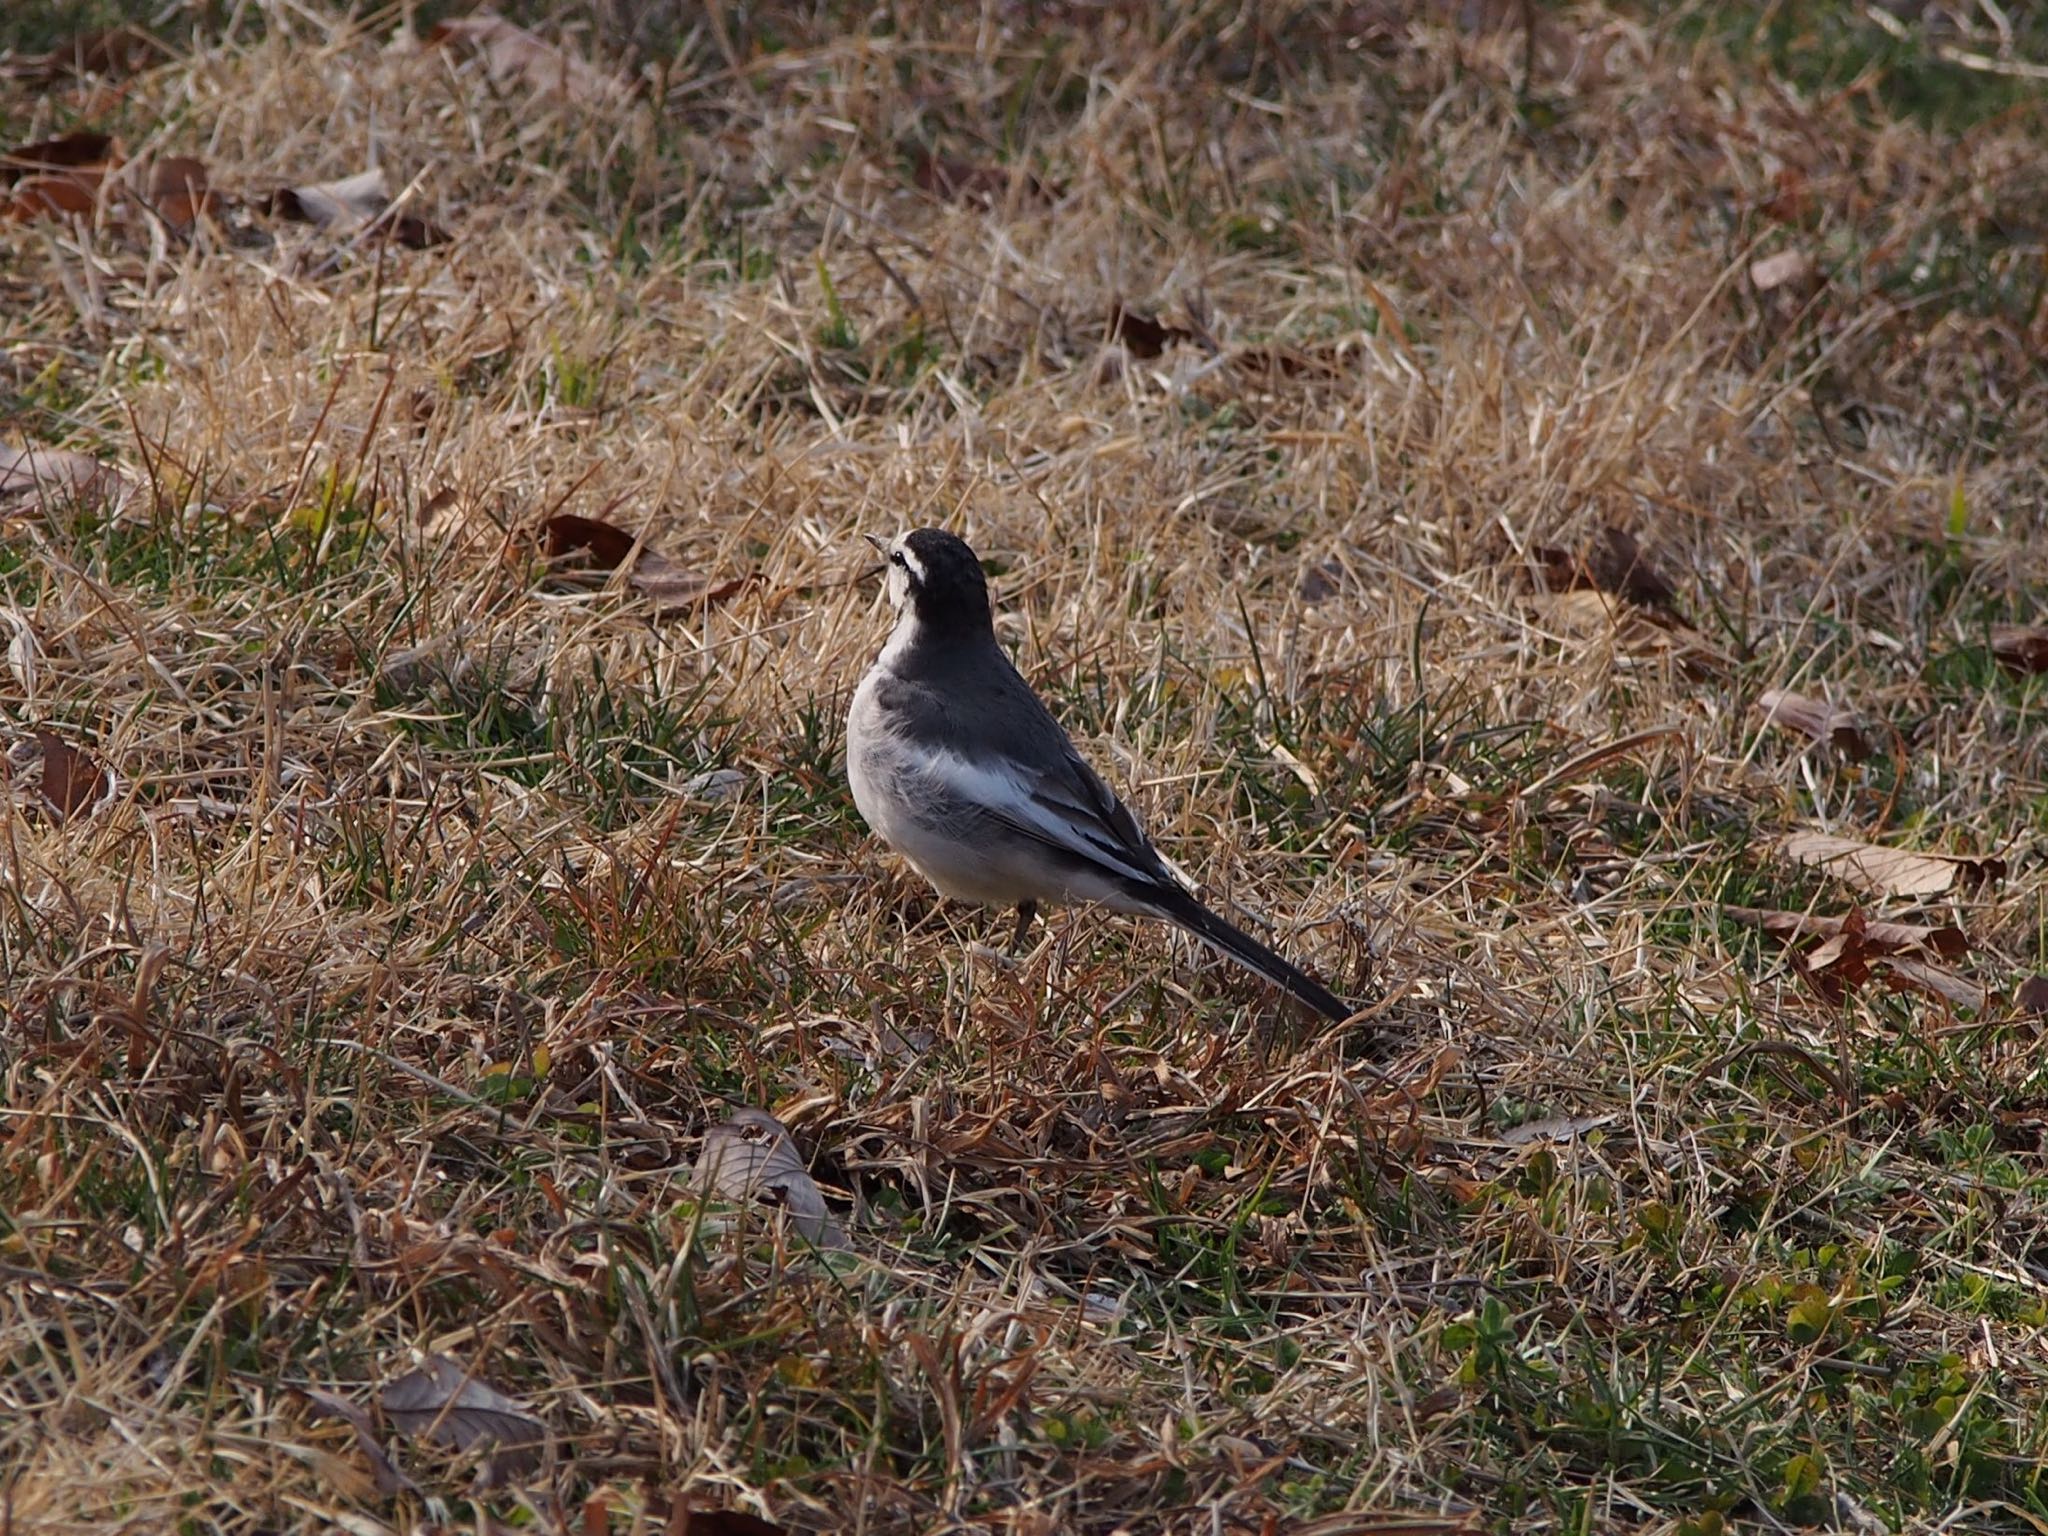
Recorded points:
(72,782)
(2032,995)
(56,176)
(1144,335)
(2021,648)
(606,545)
(1883,871)
(444,1403)
(968,181)
(178,190)
(513,53)
(72,152)
(685,1521)
(1615,563)
(1948,941)
(667,585)
(1784,269)
(1819,721)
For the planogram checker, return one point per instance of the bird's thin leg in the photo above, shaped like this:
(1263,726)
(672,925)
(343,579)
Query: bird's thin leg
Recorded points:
(1026,911)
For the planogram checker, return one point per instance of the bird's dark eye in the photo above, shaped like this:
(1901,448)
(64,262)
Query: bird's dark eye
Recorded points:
(896,558)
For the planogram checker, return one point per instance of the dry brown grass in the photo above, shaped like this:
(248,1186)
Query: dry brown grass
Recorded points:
(440,898)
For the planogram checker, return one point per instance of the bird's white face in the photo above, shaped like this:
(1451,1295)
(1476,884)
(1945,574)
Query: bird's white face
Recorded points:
(906,571)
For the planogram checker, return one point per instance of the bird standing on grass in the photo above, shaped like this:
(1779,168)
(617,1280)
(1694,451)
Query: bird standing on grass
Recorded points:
(958,767)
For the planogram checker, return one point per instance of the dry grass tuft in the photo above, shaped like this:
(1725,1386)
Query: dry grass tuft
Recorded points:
(1409,442)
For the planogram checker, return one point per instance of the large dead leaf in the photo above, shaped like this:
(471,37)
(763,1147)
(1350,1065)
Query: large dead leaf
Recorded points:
(42,477)
(353,205)
(662,581)
(56,176)
(1145,335)
(513,54)
(1786,268)
(446,1405)
(1883,871)
(1839,954)
(1817,720)
(73,784)
(1902,974)
(2021,648)
(752,1160)
(178,190)
(1613,562)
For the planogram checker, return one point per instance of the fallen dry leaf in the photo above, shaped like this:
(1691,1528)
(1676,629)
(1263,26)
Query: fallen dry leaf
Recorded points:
(56,176)
(389,1478)
(73,784)
(1883,871)
(1615,563)
(1781,270)
(969,181)
(751,1159)
(47,476)
(442,1402)
(1144,335)
(354,204)
(2021,648)
(73,151)
(1818,720)
(1946,940)
(683,1520)
(1853,947)
(1555,1128)
(511,53)
(2032,995)
(178,190)
(1901,973)
(608,546)
(664,583)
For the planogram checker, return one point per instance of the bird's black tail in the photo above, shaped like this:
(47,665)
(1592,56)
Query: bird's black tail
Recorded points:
(1183,911)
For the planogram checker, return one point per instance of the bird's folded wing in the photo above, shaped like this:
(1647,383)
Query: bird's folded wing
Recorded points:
(1065,806)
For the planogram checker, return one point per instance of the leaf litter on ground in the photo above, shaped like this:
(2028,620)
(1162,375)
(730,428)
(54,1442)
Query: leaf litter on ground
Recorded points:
(751,1159)
(667,585)
(1879,870)
(1825,724)
(445,1403)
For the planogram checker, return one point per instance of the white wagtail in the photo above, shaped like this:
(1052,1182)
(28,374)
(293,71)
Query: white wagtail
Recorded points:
(958,767)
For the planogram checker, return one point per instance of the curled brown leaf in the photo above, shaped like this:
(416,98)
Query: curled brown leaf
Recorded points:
(1821,722)
(73,784)
(2021,648)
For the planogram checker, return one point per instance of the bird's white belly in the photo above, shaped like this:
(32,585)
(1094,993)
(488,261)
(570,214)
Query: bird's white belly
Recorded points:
(894,796)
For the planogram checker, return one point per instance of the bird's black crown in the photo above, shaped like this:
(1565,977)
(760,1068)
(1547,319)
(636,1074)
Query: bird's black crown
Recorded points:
(947,586)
